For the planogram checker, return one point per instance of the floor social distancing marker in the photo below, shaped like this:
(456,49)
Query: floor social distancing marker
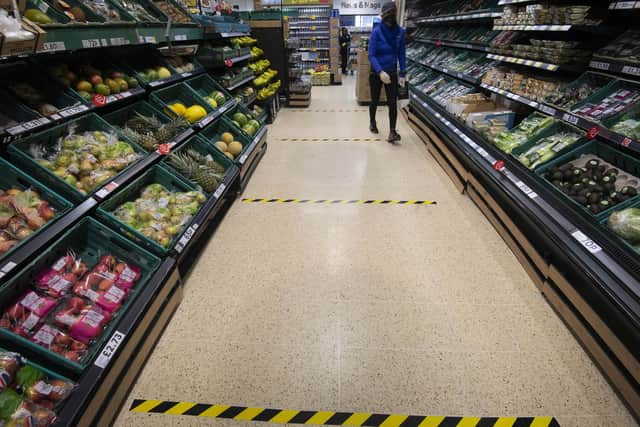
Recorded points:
(342,202)
(329,139)
(282,416)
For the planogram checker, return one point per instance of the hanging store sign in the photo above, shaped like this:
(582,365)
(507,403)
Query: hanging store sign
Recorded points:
(360,7)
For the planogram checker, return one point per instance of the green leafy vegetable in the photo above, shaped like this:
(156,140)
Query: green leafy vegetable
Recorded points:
(626,224)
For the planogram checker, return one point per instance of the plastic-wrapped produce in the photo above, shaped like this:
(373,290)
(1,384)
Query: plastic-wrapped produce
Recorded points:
(529,127)
(547,148)
(626,224)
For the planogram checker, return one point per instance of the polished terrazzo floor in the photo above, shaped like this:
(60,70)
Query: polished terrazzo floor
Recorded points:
(391,309)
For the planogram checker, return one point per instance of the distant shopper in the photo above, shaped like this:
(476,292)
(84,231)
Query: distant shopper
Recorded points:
(345,47)
(387,49)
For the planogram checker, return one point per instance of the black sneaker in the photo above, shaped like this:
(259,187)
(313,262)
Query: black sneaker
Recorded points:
(373,128)
(393,136)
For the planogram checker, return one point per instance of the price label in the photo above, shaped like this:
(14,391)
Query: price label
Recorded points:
(627,69)
(155,83)
(149,39)
(180,37)
(27,126)
(604,66)
(593,132)
(219,191)
(99,100)
(444,70)
(118,41)
(109,349)
(164,149)
(313,28)
(91,43)
(498,165)
(526,190)
(54,46)
(107,189)
(185,75)
(208,119)
(547,110)
(228,62)
(625,5)
(72,111)
(438,43)
(186,237)
(585,241)
(243,158)
(570,118)
(626,142)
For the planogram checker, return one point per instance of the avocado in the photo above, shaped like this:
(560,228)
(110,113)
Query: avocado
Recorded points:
(594,198)
(592,164)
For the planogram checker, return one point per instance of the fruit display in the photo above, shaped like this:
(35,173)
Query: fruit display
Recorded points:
(22,212)
(265,77)
(88,80)
(527,129)
(201,169)
(243,41)
(104,9)
(173,12)
(593,183)
(625,48)
(85,160)
(39,17)
(38,98)
(160,214)
(181,64)
(548,147)
(628,125)
(258,67)
(269,91)
(570,94)
(618,101)
(158,72)
(76,13)
(139,12)
(67,305)
(626,224)
(256,111)
(229,145)
(192,114)
(243,122)
(215,99)
(149,132)
(256,52)
(29,394)
(234,74)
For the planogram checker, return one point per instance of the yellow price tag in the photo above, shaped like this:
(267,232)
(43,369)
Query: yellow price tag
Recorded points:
(313,28)
(313,17)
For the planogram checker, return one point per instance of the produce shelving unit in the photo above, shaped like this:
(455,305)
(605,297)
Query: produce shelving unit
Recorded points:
(589,275)
(103,386)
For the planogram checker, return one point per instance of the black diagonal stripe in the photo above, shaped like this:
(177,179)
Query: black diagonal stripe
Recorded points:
(487,422)
(266,415)
(303,201)
(375,420)
(523,422)
(384,202)
(450,422)
(320,201)
(366,202)
(554,423)
(412,421)
(302,417)
(163,407)
(336,201)
(354,201)
(272,200)
(288,200)
(197,409)
(402,202)
(338,418)
(232,412)
(136,403)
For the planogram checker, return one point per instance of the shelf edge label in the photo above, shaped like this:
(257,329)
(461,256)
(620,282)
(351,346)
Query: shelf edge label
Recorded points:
(585,241)
(109,349)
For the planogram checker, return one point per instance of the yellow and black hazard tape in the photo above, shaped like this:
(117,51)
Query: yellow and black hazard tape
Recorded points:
(322,418)
(359,110)
(363,139)
(342,202)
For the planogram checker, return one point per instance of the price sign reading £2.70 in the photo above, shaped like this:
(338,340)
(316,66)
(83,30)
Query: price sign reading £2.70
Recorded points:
(360,7)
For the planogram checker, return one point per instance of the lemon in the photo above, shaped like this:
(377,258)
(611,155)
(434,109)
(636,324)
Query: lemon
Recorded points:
(227,137)
(212,102)
(178,109)
(194,113)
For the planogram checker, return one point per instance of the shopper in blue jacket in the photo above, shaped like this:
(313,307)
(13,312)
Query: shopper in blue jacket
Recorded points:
(387,50)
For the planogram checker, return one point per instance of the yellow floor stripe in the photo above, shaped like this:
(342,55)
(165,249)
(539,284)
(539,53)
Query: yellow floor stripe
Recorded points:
(468,422)
(284,416)
(320,418)
(214,411)
(394,421)
(431,422)
(181,408)
(147,406)
(356,419)
(505,422)
(541,422)
(248,414)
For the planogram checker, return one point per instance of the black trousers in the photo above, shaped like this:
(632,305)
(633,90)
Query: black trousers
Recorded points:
(392,97)
(344,53)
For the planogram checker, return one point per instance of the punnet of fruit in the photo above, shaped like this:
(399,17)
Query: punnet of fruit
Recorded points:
(29,395)
(88,80)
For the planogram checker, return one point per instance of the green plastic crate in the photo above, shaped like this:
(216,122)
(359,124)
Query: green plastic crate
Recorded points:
(604,221)
(156,175)
(202,146)
(49,374)
(181,93)
(213,133)
(597,78)
(89,240)
(632,113)
(140,59)
(59,18)
(19,152)
(242,109)
(12,177)
(603,93)
(548,131)
(15,110)
(615,157)
(204,84)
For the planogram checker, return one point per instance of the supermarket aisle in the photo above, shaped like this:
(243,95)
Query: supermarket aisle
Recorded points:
(393,309)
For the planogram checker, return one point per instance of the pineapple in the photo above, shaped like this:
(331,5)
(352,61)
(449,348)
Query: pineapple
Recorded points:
(205,160)
(169,130)
(143,124)
(148,141)
(202,174)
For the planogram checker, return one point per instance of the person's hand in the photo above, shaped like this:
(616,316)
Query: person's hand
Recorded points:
(385,77)
(402,81)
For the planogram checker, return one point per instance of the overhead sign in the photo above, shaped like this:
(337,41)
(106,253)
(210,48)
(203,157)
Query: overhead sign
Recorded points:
(360,7)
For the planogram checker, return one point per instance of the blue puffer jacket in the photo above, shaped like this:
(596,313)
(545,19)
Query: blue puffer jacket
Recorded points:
(387,48)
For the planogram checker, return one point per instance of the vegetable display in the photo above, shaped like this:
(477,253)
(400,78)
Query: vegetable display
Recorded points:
(548,148)
(626,224)
(528,128)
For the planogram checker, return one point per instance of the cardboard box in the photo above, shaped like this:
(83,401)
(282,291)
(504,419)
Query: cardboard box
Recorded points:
(334,23)
(21,47)
(8,5)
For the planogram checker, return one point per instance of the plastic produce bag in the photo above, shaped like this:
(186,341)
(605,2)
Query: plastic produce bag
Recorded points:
(27,313)
(626,224)
(9,364)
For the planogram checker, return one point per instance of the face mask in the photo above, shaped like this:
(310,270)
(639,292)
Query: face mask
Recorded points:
(389,21)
